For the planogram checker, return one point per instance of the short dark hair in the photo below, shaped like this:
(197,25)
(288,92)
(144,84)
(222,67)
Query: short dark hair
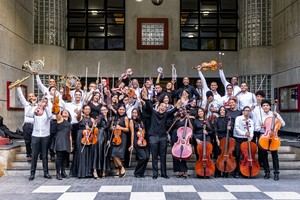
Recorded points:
(261,93)
(246,108)
(265,102)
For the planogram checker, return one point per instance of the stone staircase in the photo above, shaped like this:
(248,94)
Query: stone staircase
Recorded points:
(289,163)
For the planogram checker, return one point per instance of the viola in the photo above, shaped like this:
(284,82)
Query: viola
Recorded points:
(249,166)
(141,141)
(117,133)
(204,166)
(55,106)
(270,140)
(182,149)
(226,161)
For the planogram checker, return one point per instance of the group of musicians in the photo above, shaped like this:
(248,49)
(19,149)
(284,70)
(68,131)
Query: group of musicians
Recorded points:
(100,125)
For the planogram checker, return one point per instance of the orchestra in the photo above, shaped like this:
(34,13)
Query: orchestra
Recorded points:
(102,123)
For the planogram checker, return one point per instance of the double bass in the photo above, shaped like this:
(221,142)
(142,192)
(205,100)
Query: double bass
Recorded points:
(270,140)
(182,149)
(204,166)
(249,166)
(226,161)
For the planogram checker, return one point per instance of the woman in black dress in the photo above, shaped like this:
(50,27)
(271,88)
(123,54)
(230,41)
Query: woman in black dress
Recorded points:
(120,122)
(83,161)
(180,166)
(221,126)
(95,105)
(142,153)
(198,126)
(99,148)
(62,145)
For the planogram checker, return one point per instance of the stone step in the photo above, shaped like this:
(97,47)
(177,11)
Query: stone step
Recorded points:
(282,149)
(51,165)
(21,157)
(129,172)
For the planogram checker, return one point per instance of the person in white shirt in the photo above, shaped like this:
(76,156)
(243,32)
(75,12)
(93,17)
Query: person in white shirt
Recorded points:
(42,87)
(266,106)
(77,87)
(243,131)
(213,86)
(40,136)
(245,98)
(228,95)
(28,122)
(233,81)
(202,95)
(256,116)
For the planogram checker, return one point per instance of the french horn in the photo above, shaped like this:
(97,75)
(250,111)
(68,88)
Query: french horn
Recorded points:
(34,66)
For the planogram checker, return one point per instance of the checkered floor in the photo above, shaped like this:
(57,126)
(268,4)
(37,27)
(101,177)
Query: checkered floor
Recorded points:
(166,192)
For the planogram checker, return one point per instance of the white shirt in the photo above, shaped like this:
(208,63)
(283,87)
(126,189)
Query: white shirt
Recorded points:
(71,107)
(72,93)
(130,107)
(236,88)
(41,124)
(224,100)
(27,106)
(240,127)
(246,99)
(259,121)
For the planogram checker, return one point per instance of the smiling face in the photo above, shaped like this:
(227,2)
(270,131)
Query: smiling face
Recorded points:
(87,110)
(121,110)
(134,114)
(200,113)
(52,82)
(186,81)
(32,98)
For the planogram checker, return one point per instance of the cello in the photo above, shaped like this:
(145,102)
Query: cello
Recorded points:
(182,149)
(249,166)
(204,166)
(270,140)
(226,161)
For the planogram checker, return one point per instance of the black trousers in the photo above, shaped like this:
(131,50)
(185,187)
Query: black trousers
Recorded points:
(158,146)
(238,142)
(53,125)
(266,162)
(39,146)
(255,139)
(61,159)
(27,130)
(142,155)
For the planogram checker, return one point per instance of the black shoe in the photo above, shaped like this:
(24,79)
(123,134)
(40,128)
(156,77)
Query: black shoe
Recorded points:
(64,174)
(267,175)
(52,158)
(165,176)
(28,158)
(47,176)
(154,177)
(236,175)
(58,177)
(31,177)
(276,177)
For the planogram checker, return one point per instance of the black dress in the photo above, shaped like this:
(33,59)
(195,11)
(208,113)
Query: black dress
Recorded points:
(62,137)
(99,148)
(95,110)
(142,153)
(120,150)
(83,160)
(178,165)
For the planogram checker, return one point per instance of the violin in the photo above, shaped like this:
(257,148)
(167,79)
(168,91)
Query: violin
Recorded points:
(117,133)
(66,94)
(270,140)
(131,92)
(141,141)
(204,166)
(226,161)
(55,106)
(249,166)
(182,149)
(90,136)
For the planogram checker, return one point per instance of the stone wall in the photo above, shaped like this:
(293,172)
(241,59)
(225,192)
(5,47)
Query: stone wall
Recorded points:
(16,39)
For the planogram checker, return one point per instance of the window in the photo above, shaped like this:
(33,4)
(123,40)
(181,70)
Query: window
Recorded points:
(96,24)
(208,25)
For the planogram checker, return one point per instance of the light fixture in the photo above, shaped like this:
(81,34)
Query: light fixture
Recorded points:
(101,27)
(157,2)
(205,13)
(94,12)
(138,0)
(190,35)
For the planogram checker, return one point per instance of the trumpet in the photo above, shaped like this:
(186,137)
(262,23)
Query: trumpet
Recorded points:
(211,65)
(18,82)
